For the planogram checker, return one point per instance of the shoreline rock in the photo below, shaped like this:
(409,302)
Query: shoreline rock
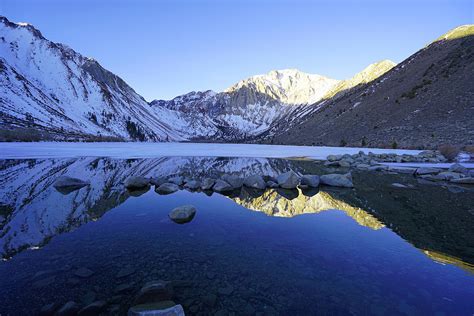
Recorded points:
(337,180)
(136,183)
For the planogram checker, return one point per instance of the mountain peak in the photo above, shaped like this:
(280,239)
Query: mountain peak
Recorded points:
(290,86)
(24,25)
(458,32)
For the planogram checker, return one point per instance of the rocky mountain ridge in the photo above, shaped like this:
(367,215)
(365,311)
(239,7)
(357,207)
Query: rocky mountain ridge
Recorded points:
(423,102)
(50,92)
(55,92)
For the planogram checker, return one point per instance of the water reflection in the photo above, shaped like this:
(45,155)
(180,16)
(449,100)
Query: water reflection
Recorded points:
(431,218)
(338,262)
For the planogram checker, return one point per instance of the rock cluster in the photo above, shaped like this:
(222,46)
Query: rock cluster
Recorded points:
(456,174)
(362,160)
(228,183)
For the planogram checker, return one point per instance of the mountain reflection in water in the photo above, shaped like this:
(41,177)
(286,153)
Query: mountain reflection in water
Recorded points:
(332,250)
(432,218)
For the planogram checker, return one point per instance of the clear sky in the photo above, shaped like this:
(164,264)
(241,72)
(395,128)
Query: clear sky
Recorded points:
(167,48)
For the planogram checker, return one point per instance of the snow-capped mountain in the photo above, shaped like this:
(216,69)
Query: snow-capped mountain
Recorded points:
(51,89)
(335,91)
(251,106)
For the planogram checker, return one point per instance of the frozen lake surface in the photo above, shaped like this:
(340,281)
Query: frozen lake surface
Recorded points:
(153,150)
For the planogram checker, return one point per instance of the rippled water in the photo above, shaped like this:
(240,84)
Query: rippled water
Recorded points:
(375,249)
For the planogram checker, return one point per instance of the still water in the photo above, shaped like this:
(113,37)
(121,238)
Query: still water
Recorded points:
(375,249)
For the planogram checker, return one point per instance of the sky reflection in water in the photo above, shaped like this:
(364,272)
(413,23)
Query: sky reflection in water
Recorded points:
(334,262)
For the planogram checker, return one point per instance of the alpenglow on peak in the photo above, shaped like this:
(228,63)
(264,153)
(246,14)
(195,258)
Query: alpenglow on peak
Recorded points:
(289,86)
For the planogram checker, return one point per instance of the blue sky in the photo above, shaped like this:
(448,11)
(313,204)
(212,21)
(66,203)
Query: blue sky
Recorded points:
(166,48)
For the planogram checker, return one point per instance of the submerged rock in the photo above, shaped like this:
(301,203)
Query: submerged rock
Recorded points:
(165,308)
(135,183)
(183,214)
(68,309)
(154,291)
(222,186)
(255,182)
(49,309)
(309,180)
(84,272)
(65,184)
(93,309)
(288,180)
(157,181)
(167,188)
(337,180)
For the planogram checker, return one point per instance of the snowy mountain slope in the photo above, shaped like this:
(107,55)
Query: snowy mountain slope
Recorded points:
(251,106)
(49,87)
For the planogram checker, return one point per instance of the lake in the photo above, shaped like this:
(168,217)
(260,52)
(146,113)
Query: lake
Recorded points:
(375,249)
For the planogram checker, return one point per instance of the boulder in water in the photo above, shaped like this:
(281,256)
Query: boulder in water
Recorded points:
(288,180)
(192,185)
(157,181)
(136,183)
(207,183)
(310,180)
(272,184)
(178,180)
(337,180)
(222,186)
(234,181)
(255,182)
(154,291)
(167,188)
(183,214)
